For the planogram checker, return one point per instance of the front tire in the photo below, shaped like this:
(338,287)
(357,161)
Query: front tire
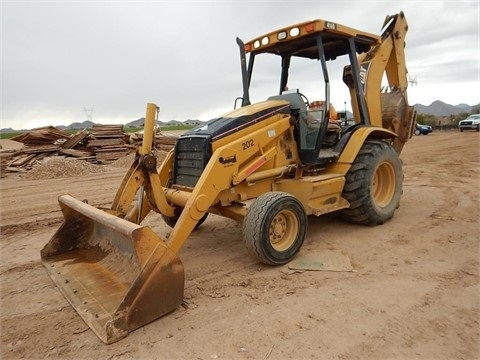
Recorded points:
(373,184)
(274,228)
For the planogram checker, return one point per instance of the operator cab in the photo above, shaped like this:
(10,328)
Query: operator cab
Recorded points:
(323,42)
(310,120)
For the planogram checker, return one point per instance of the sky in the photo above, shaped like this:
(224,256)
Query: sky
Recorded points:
(63,61)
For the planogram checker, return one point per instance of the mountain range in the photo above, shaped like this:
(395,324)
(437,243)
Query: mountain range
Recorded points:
(135,124)
(436,108)
(439,108)
(87,124)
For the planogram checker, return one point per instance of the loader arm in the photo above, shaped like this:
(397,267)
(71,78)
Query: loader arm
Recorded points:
(229,165)
(142,174)
(133,180)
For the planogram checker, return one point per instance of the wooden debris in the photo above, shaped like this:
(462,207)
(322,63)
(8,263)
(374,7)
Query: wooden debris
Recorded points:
(162,141)
(104,142)
(106,155)
(14,169)
(76,153)
(108,143)
(100,145)
(107,131)
(75,139)
(4,160)
(21,160)
(37,149)
(166,139)
(42,136)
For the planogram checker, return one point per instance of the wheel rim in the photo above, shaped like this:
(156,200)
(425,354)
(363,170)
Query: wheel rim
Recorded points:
(383,185)
(283,230)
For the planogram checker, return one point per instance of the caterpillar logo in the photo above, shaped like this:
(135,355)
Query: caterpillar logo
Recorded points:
(363,73)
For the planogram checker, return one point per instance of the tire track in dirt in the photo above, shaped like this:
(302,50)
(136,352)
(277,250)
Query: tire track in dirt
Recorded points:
(414,295)
(412,327)
(26,201)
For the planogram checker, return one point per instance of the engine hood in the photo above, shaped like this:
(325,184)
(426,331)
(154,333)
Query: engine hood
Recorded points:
(240,119)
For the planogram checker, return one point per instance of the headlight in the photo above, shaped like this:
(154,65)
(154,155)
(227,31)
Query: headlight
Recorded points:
(294,31)
(330,25)
(282,35)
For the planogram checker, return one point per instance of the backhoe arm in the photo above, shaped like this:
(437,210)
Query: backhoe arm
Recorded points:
(389,109)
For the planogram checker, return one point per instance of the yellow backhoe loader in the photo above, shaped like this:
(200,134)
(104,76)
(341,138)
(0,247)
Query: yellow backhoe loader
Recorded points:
(267,165)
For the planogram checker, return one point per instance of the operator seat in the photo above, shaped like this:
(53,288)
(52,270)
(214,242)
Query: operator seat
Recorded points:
(298,109)
(333,123)
(297,103)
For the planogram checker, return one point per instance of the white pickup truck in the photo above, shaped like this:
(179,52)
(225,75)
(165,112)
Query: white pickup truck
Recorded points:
(470,123)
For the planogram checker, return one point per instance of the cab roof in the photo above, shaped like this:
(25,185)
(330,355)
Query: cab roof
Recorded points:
(300,40)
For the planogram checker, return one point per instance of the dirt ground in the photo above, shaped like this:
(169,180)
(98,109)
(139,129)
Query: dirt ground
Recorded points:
(413,294)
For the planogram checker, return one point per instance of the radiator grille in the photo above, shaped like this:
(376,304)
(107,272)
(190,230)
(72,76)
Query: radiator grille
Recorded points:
(191,156)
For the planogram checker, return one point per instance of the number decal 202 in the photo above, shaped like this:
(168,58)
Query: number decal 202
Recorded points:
(247,144)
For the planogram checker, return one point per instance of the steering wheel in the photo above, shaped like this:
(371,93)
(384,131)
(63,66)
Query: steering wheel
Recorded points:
(304,99)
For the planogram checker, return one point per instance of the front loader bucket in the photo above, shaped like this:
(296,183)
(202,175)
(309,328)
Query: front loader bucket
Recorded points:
(116,274)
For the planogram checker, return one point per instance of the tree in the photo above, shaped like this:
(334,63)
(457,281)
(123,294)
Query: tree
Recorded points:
(461,116)
(426,119)
(476,109)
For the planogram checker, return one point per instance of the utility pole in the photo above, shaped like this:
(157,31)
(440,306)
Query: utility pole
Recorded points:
(88,113)
(412,81)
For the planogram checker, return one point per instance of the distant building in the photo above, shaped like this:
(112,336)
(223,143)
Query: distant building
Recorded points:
(192,122)
(174,123)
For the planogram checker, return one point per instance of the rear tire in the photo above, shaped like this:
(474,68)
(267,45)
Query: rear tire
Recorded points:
(274,228)
(373,184)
